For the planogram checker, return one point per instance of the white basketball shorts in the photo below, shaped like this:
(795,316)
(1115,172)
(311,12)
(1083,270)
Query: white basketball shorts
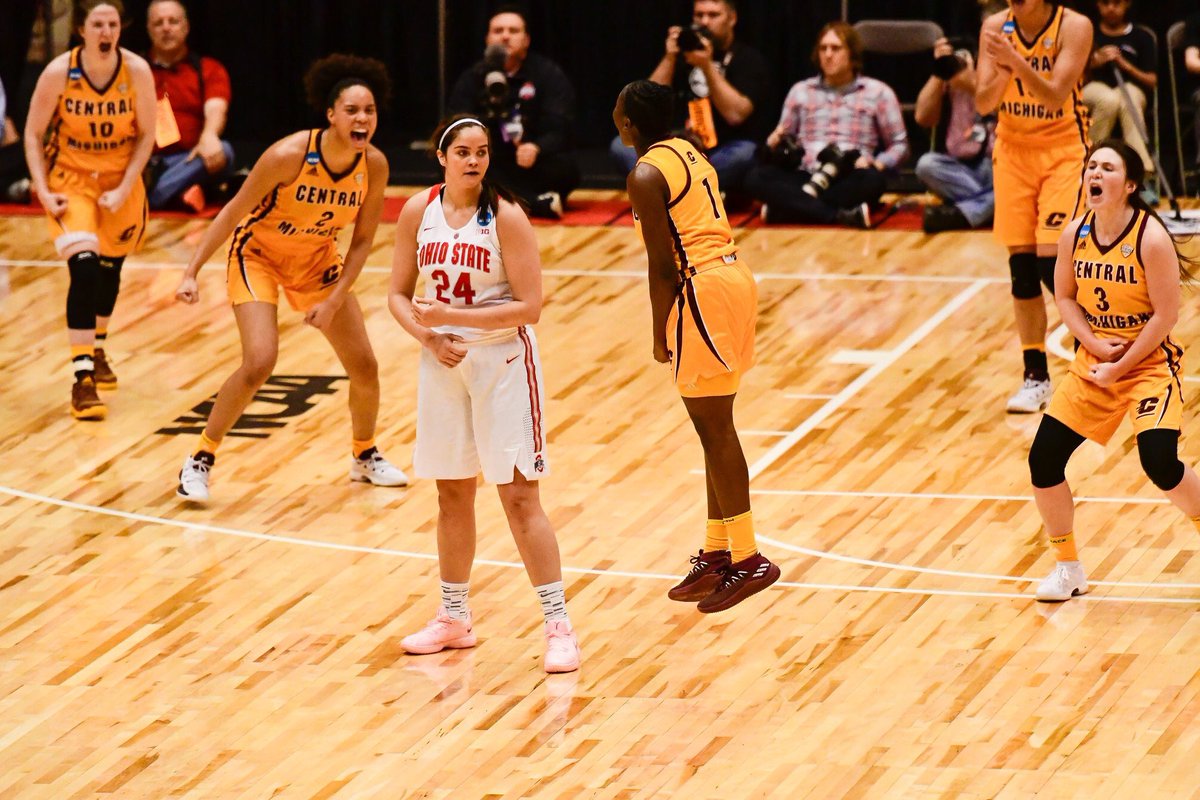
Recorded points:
(485,413)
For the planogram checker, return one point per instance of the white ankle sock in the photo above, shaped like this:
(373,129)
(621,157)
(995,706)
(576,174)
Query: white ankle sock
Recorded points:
(454,600)
(554,601)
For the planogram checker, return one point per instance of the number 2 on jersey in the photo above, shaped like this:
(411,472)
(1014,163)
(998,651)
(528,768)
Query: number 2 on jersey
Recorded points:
(462,287)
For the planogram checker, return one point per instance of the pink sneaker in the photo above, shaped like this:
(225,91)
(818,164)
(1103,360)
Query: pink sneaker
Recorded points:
(439,634)
(562,648)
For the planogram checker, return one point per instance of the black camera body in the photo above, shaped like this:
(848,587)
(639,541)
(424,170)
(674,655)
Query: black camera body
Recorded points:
(494,95)
(949,65)
(788,154)
(693,37)
(834,163)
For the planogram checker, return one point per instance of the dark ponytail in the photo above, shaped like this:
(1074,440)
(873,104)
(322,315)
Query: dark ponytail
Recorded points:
(490,192)
(1136,171)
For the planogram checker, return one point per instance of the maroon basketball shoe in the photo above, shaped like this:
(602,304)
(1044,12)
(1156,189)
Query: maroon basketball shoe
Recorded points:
(746,577)
(705,577)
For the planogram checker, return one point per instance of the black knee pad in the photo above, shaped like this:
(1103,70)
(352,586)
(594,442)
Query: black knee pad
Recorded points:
(84,289)
(1023,269)
(1051,450)
(109,285)
(1159,454)
(1045,268)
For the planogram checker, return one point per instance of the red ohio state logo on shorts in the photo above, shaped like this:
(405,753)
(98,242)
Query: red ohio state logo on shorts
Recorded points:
(539,463)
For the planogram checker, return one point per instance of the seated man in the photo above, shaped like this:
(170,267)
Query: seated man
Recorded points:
(962,175)
(1119,46)
(198,91)
(848,129)
(723,83)
(528,105)
(1191,61)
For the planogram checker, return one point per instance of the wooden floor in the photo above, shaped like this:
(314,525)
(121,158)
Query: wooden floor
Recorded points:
(251,648)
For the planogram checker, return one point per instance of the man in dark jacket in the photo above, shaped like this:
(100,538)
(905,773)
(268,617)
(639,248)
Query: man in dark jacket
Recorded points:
(528,104)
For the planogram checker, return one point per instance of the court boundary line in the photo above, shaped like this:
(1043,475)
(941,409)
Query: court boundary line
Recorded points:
(325,545)
(878,277)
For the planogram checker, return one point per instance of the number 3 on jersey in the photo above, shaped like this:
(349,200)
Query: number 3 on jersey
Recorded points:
(462,287)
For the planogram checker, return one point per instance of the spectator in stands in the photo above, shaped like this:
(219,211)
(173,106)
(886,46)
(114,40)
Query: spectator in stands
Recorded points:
(724,84)
(528,104)
(14,177)
(197,88)
(962,175)
(847,130)
(1191,60)
(1119,46)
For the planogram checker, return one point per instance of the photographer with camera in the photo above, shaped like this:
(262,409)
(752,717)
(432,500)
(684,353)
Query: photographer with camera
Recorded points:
(962,175)
(825,161)
(528,105)
(721,85)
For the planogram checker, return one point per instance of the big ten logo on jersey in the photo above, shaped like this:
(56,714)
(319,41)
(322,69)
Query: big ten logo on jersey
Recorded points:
(289,395)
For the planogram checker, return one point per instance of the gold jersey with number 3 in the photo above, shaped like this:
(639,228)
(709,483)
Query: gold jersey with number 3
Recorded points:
(1023,119)
(94,128)
(699,225)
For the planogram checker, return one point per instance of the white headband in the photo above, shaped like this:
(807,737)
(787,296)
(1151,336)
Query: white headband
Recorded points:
(454,125)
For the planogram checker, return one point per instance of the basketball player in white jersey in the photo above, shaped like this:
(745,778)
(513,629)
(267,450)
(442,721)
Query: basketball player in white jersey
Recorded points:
(479,392)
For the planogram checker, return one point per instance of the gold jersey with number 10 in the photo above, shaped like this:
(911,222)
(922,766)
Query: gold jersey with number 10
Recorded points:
(1023,119)
(94,128)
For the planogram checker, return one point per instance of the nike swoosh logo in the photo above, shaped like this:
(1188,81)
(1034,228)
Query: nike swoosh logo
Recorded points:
(514,358)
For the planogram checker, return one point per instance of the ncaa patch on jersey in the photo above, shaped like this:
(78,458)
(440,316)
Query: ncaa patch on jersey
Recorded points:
(1009,26)
(74,73)
(1084,230)
(312,158)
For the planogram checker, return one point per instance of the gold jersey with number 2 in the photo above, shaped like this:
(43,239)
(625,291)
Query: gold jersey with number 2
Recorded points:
(1023,119)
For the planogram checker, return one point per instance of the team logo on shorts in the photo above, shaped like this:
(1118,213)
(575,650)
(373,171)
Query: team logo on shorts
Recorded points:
(539,463)
(1147,406)
(1127,250)
(127,234)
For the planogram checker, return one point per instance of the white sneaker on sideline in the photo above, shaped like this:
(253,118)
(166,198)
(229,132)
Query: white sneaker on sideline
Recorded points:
(1066,581)
(193,478)
(1032,397)
(372,467)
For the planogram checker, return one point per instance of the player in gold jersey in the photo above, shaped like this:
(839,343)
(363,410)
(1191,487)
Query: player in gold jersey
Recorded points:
(287,216)
(88,136)
(703,302)
(1031,62)
(1117,286)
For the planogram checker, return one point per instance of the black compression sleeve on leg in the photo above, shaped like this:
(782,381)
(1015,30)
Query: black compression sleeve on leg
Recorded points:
(83,293)
(109,285)
(1158,450)
(1051,450)
(1023,269)
(1045,268)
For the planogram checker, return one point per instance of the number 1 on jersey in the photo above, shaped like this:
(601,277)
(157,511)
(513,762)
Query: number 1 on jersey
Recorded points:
(711,198)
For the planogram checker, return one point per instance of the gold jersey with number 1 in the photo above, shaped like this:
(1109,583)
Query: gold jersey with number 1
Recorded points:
(710,330)
(1022,117)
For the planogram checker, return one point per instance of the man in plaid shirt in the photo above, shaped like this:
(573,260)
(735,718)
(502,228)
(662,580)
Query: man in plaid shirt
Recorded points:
(843,108)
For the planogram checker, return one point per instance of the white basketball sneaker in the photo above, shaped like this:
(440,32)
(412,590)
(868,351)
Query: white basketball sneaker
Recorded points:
(372,467)
(193,478)
(1032,397)
(1066,581)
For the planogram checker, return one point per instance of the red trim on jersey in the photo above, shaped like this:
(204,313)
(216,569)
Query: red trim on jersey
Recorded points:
(433,192)
(535,406)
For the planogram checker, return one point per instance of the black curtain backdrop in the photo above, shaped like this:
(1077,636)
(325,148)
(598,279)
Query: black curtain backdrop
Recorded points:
(266,45)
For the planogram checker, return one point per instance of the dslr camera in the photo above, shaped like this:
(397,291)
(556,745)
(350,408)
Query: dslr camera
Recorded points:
(834,162)
(950,64)
(693,37)
(788,154)
(494,95)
